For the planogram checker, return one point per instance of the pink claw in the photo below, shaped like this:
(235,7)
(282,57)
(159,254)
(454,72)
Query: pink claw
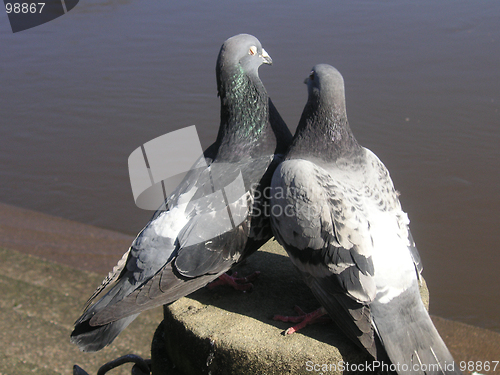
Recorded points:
(238,283)
(317,316)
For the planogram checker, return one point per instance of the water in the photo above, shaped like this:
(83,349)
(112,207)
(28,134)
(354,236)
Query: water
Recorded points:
(80,93)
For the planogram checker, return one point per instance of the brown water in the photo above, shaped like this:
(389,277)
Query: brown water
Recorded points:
(80,93)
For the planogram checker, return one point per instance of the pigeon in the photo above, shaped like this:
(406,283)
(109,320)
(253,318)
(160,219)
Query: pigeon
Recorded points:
(335,211)
(214,218)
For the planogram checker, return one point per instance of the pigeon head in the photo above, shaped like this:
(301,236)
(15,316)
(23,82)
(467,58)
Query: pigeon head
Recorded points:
(240,55)
(323,131)
(244,50)
(247,117)
(326,88)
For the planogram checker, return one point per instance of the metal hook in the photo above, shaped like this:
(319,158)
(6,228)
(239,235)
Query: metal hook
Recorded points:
(141,367)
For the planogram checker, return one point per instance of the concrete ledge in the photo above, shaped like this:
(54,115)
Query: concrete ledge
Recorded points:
(223,331)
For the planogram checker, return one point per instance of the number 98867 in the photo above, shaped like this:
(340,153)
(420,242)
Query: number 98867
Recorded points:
(24,7)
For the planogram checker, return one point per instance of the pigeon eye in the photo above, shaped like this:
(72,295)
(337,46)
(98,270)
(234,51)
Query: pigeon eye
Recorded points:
(311,76)
(252,51)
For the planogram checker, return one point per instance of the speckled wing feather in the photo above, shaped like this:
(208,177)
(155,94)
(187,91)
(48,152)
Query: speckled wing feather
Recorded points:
(177,252)
(153,247)
(327,233)
(209,251)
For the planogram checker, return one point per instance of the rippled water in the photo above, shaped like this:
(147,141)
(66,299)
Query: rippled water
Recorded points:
(80,93)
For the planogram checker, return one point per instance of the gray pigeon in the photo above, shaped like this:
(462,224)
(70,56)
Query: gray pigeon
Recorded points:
(214,217)
(341,222)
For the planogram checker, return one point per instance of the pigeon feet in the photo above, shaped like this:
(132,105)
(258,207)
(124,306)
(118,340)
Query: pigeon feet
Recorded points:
(317,316)
(238,283)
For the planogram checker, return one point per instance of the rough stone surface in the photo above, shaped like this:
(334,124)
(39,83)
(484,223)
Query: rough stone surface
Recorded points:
(223,331)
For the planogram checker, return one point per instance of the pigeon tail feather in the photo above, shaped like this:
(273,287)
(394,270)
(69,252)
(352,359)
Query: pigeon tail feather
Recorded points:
(92,339)
(409,337)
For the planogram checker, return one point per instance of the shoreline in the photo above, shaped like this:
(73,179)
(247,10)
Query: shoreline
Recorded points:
(62,241)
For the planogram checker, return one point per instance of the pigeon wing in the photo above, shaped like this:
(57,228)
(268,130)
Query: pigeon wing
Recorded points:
(326,235)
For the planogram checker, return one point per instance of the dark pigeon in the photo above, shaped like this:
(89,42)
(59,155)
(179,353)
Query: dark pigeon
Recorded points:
(344,230)
(213,220)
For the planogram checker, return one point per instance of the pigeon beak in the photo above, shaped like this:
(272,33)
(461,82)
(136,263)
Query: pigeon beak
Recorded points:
(266,58)
(306,80)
